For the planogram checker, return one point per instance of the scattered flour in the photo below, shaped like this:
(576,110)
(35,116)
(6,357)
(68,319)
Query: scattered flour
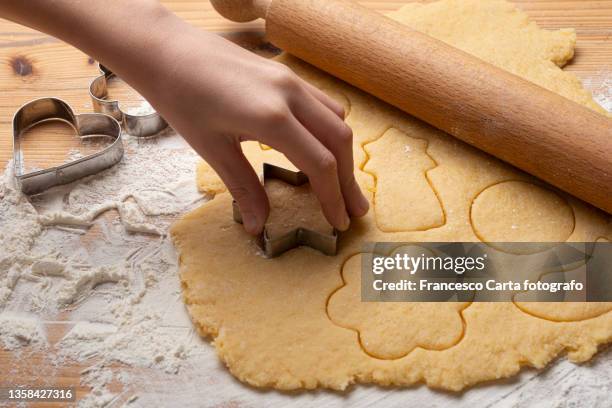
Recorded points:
(98,377)
(17,330)
(74,154)
(159,348)
(95,256)
(601,86)
(145,108)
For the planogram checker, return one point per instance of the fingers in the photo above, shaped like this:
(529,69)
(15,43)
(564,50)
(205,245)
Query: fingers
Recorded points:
(322,97)
(313,158)
(244,185)
(337,137)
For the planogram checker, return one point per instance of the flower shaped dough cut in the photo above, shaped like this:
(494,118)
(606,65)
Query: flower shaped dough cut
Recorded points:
(390,330)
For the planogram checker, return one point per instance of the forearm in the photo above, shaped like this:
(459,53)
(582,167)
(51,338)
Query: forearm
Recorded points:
(215,94)
(127,36)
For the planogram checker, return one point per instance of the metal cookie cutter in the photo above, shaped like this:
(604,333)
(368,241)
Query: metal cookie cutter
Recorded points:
(136,125)
(88,125)
(326,243)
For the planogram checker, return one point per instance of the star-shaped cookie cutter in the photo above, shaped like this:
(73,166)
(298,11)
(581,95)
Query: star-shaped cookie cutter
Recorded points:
(272,247)
(87,125)
(135,125)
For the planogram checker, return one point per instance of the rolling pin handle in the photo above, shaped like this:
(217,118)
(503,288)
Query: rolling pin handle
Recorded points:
(242,11)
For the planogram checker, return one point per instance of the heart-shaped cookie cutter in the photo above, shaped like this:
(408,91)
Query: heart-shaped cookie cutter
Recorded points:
(135,125)
(87,125)
(272,247)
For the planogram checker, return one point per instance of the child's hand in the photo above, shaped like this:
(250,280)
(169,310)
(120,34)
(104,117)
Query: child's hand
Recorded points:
(219,95)
(216,95)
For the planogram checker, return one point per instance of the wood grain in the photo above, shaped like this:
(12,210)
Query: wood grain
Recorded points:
(34,65)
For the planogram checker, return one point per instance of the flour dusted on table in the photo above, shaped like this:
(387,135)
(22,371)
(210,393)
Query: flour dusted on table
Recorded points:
(601,86)
(97,249)
(20,330)
(604,97)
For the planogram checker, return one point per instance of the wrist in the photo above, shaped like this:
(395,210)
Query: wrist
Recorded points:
(141,45)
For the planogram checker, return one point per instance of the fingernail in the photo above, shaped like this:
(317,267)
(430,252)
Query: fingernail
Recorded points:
(251,225)
(346,222)
(364,205)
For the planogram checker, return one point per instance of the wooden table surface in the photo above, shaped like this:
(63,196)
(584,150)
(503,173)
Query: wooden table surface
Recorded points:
(34,65)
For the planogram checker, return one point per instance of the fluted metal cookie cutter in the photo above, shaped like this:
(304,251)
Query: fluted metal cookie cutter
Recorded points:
(133,124)
(272,247)
(87,125)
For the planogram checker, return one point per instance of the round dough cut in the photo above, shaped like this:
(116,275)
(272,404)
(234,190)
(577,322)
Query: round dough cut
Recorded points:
(516,211)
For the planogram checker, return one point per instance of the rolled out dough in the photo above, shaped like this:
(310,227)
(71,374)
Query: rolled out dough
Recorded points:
(297,321)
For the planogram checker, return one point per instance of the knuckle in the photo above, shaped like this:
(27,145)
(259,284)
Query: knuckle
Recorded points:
(345,134)
(283,77)
(275,114)
(327,164)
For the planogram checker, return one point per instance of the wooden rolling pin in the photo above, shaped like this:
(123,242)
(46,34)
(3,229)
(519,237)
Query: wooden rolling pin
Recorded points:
(538,131)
